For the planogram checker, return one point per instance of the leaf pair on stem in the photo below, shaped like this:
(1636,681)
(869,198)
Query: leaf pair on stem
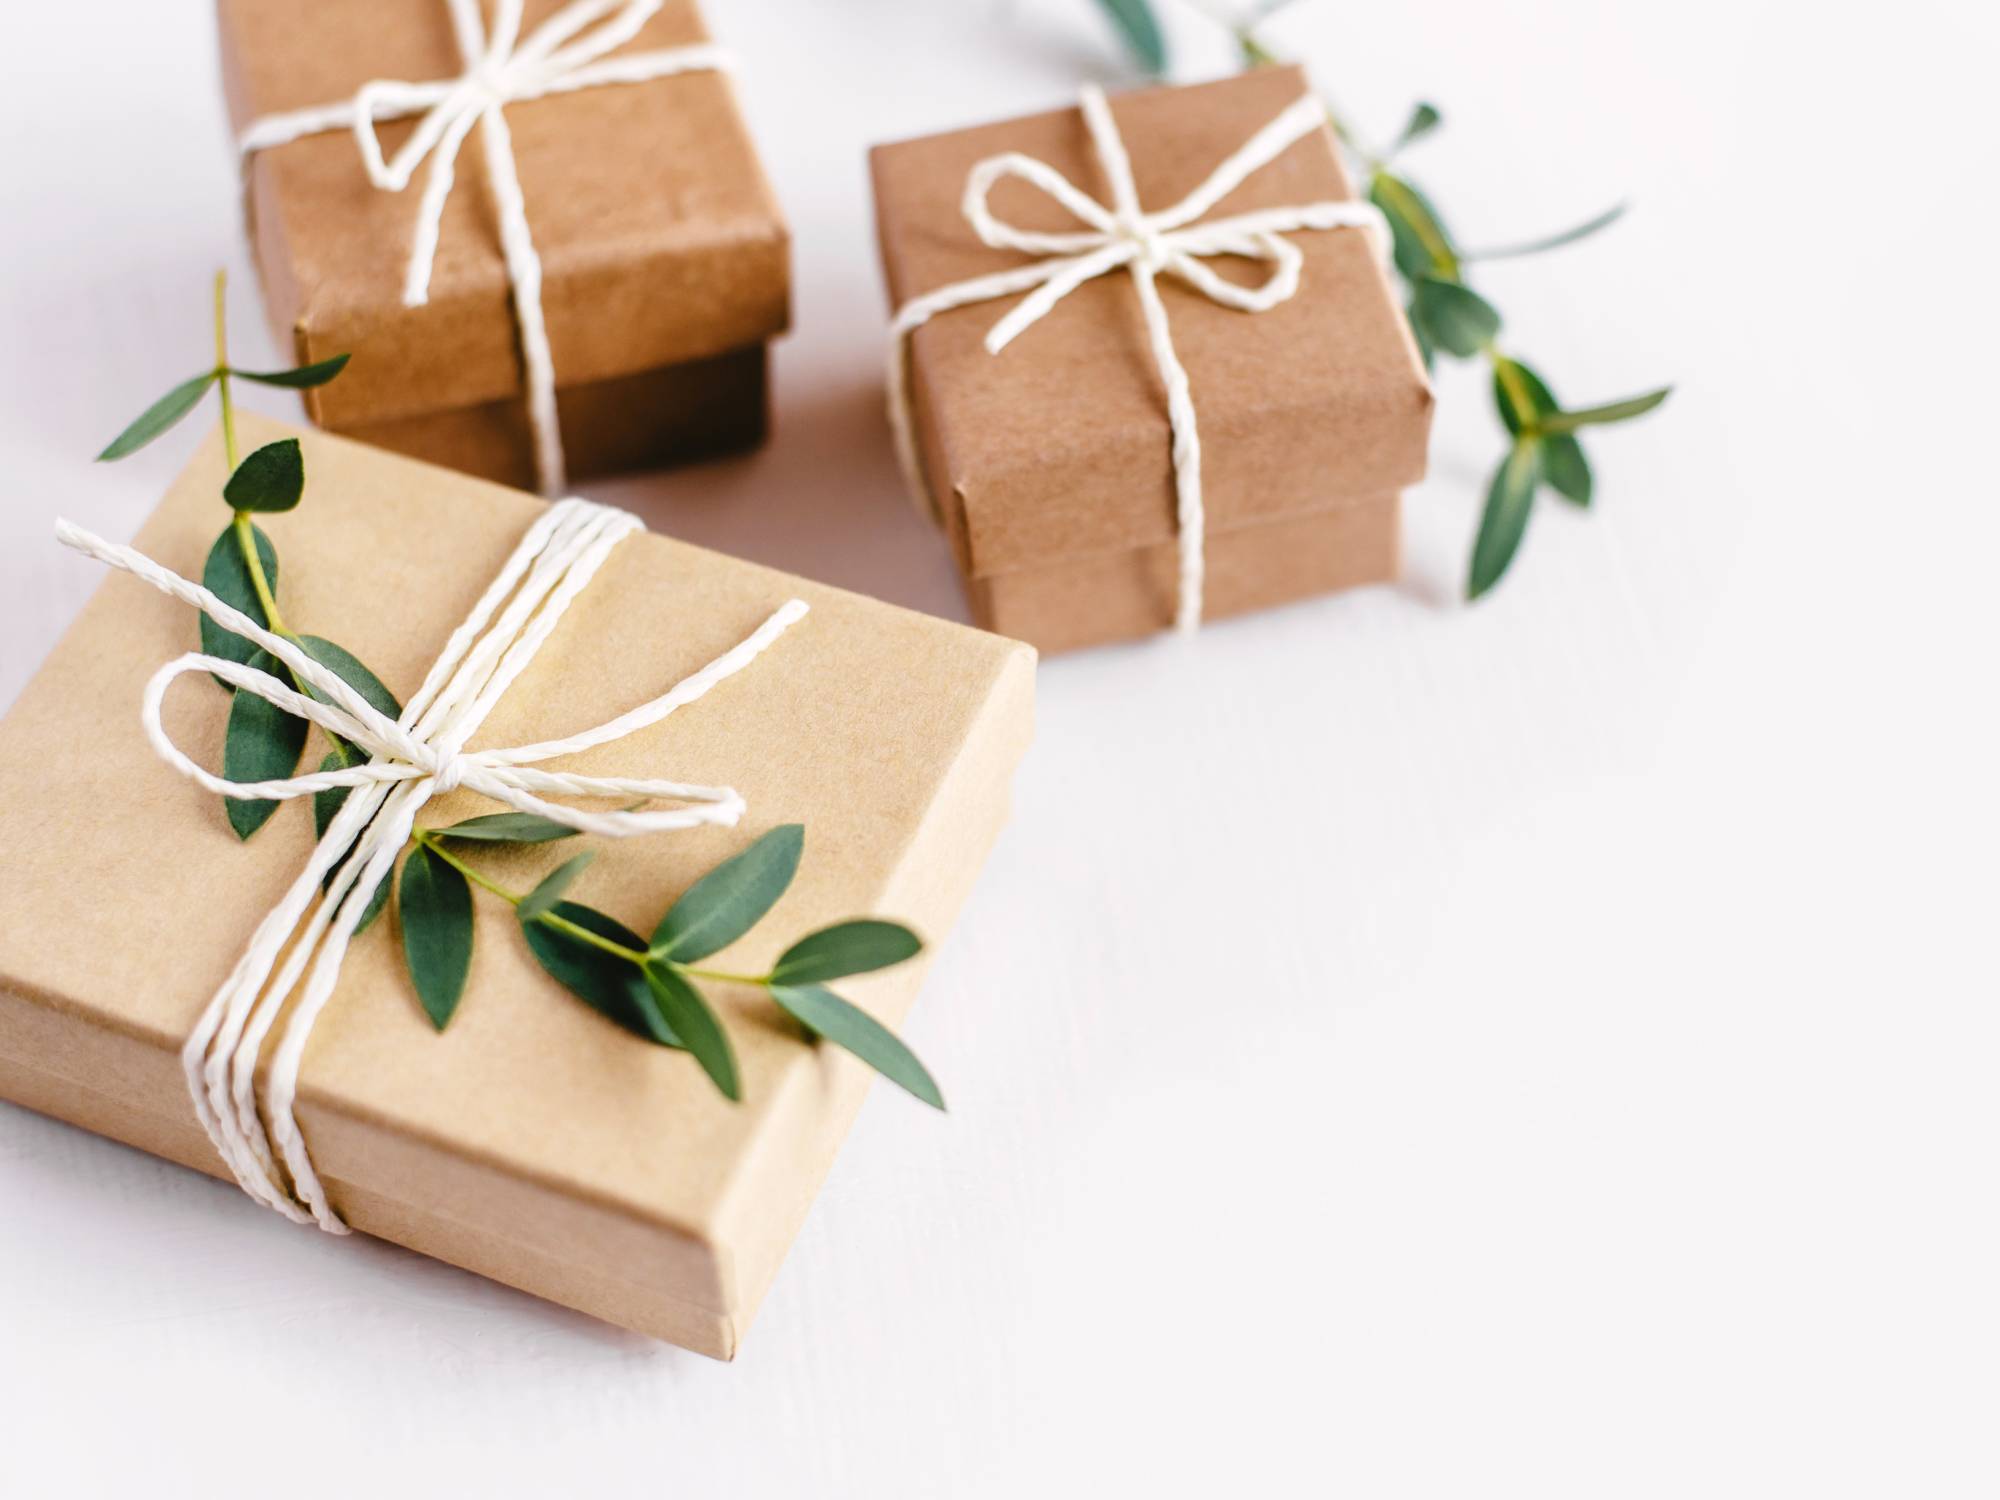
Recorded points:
(183,398)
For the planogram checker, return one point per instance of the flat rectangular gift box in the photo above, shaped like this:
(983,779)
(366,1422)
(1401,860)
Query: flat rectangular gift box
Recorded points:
(1049,462)
(666,260)
(533,1141)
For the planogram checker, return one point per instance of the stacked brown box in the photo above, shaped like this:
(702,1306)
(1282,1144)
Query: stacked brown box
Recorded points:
(665,258)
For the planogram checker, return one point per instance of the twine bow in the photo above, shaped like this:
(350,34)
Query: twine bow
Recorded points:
(1148,245)
(431,750)
(417,756)
(565,53)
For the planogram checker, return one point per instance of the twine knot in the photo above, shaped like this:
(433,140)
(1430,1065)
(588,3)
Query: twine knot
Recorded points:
(447,773)
(1148,245)
(1152,250)
(496,82)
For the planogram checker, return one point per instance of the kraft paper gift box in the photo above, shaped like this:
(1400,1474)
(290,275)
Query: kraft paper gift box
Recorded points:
(1049,463)
(532,1141)
(664,255)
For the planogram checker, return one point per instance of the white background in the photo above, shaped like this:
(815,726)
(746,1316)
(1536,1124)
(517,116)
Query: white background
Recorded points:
(1398,1049)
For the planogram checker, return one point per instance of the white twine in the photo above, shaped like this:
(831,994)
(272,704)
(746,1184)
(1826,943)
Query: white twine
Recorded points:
(413,758)
(1122,235)
(560,56)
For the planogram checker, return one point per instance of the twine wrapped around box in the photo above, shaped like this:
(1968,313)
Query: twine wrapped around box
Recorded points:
(413,758)
(1123,236)
(566,53)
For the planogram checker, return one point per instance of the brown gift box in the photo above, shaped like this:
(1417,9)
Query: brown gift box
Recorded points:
(1049,462)
(533,1141)
(665,259)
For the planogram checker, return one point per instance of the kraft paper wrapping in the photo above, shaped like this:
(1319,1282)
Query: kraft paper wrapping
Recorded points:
(533,1141)
(660,239)
(1051,460)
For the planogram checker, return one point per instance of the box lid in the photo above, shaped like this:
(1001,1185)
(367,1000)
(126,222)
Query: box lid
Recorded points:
(612,1174)
(1058,446)
(659,236)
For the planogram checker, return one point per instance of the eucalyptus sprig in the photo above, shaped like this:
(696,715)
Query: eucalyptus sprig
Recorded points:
(1446,316)
(651,987)
(263,742)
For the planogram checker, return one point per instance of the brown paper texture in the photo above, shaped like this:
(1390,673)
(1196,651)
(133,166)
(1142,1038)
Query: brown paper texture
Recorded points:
(1057,449)
(533,1141)
(660,239)
(1116,596)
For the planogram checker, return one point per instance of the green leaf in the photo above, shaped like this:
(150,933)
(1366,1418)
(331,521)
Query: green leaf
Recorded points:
(377,900)
(1423,120)
(507,828)
(1550,242)
(1563,463)
(1508,503)
(434,905)
(1540,400)
(1140,30)
(1421,246)
(262,743)
(1426,350)
(1566,469)
(730,899)
(858,947)
(1457,319)
(1612,411)
(348,668)
(326,805)
(825,1014)
(270,479)
(608,984)
(300,378)
(158,417)
(227,576)
(696,1025)
(549,892)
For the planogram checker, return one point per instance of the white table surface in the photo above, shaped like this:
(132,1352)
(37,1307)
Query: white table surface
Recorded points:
(1398,1049)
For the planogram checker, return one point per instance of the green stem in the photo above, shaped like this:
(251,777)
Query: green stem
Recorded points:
(428,840)
(246,536)
(1517,391)
(596,940)
(222,369)
(723,977)
(246,543)
(425,837)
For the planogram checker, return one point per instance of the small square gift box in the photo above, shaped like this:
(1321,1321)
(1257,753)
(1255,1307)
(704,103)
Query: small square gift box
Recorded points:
(1146,366)
(244,1009)
(538,227)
